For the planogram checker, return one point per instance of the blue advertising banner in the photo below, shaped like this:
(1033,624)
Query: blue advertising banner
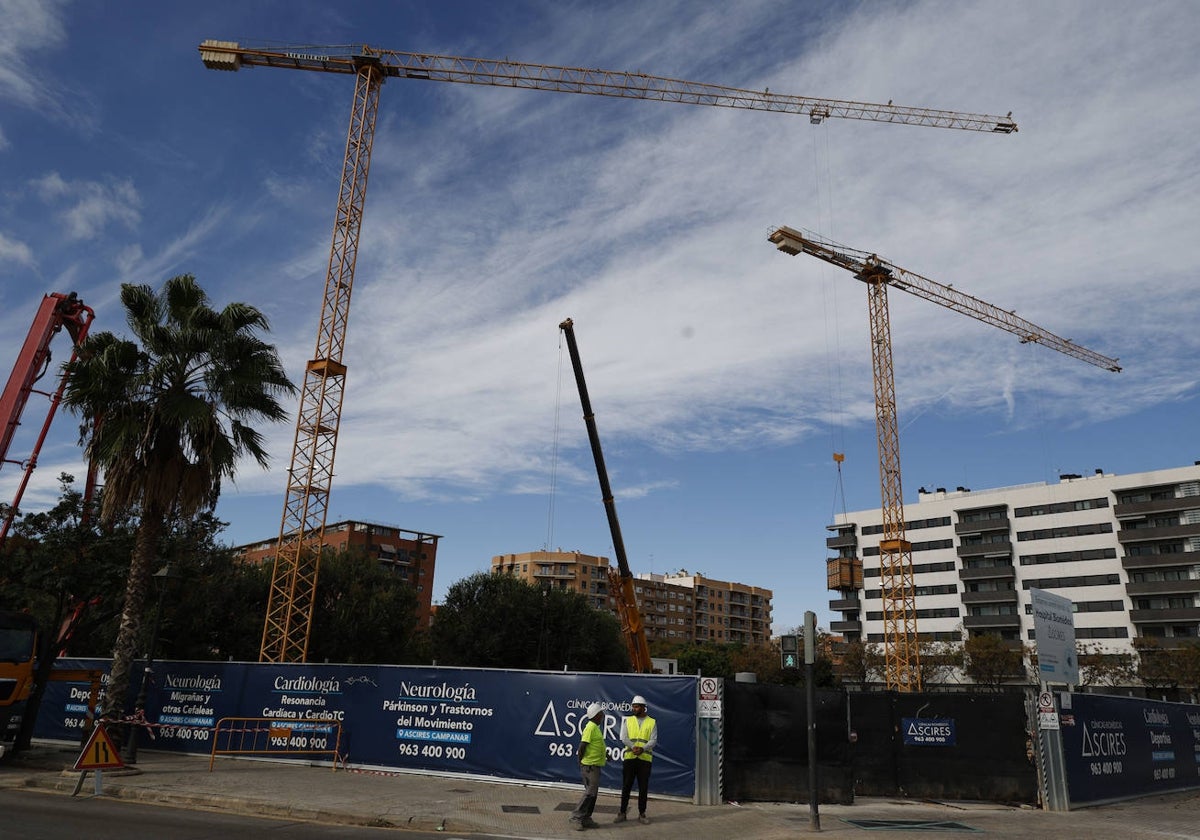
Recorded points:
(928,732)
(1120,747)
(510,724)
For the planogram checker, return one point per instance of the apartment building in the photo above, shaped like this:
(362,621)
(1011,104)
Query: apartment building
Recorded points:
(728,612)
(676,608)
(411,555)
(1124,548)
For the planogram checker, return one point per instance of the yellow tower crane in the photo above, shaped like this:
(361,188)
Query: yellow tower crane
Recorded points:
(902,656)
(301,533)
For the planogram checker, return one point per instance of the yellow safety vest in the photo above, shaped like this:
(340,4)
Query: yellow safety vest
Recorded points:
(639,730)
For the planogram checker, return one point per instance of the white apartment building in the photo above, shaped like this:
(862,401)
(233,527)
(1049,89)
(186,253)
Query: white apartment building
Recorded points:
(1124,548)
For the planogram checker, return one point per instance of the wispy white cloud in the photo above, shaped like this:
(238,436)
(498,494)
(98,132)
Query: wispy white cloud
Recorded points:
(696,334)
(87,207)
(14,251)
(29,27)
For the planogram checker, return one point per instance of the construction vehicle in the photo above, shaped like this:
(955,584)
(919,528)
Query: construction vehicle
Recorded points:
(901,642)
(310,474)
(620,580)
(56,312)
(18,646)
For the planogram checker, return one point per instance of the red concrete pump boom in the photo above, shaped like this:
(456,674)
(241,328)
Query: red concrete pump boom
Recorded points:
(57,311)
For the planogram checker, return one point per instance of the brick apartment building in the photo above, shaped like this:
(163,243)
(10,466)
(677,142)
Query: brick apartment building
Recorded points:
(411,555)
(680,607)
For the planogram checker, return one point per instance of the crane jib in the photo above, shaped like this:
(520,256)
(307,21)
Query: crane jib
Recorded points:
(229,55)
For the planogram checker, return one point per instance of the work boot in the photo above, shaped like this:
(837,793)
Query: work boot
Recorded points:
(577,825)
(588,822)
(621,817)
(643,819)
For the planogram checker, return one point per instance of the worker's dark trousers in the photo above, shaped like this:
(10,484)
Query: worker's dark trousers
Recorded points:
(591,789)
(635,768)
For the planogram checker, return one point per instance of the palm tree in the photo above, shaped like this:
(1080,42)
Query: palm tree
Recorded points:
(165,417)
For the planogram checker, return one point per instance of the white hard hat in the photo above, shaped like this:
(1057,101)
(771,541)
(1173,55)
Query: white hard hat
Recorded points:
(594,710)
(638,700)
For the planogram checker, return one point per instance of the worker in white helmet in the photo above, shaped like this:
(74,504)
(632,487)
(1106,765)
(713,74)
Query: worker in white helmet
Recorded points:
(593,753)
(639,734)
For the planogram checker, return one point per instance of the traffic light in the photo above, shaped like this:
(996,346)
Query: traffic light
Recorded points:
(789,651)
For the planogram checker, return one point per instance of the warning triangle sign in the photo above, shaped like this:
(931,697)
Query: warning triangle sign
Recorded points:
(99,753)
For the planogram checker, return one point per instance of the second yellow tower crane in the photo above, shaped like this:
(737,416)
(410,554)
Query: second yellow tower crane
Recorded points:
(902,668)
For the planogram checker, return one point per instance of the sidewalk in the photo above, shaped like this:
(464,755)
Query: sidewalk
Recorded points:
(463,806)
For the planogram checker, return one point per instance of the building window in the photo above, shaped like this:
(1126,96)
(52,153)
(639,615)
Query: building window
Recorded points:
(1063,582)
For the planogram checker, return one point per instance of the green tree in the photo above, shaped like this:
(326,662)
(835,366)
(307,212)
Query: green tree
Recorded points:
(939,660)
(707,659)
(1187,659)
(861,665)
(991,661)
(1099,667)
(363,613)
(213,603)
(166,417)
(1155,664)
(498,621)
(68,575)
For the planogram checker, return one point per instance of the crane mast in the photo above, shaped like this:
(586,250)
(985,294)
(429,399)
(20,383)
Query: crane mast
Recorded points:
(902,670)
(620,582)
(301,533)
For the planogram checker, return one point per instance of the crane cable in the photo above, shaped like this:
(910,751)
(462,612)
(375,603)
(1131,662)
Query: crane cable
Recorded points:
(833,354)
(554,448)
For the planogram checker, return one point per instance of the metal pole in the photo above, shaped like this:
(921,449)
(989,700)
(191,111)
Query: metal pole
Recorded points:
(810,659)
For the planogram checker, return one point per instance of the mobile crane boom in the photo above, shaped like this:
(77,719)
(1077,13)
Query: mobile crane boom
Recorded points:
(310,475)
(901,643)
(620,582)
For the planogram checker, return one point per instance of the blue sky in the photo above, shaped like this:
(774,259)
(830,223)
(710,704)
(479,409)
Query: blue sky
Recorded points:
(723,374)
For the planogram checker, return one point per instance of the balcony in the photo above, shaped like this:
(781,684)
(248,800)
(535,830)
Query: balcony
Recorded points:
(987,572)
(987,549)
(845,604)
(845,627)
(1157,561)
(1165,616)
(1137,509)
(979,622)
(1168,642)
(982,526)
(1165,587)
(1171,532)
(554,573)
(841,541)
(998,596)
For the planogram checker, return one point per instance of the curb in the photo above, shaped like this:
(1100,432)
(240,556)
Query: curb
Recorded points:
(65,781)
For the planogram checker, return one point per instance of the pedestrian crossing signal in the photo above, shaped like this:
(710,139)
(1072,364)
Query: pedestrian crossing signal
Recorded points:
(789,650)
(99,753)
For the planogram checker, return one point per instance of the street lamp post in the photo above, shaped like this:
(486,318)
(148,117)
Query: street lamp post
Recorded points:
(162,577)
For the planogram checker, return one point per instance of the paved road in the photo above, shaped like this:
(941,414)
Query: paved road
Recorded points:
(33,815)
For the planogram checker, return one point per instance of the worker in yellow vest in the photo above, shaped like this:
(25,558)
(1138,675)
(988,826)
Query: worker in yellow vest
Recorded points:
(639,734)
(593,753)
